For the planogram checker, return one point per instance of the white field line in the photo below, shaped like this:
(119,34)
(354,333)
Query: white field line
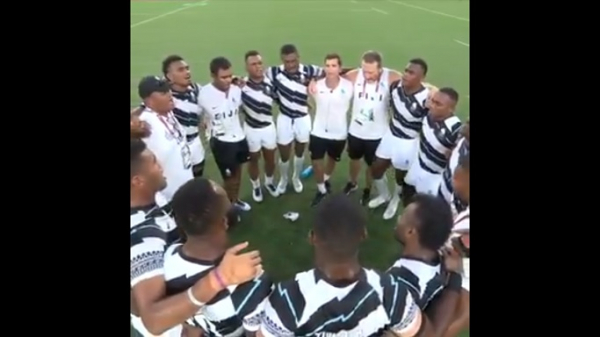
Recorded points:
(463,43)
(196,4)
(379,11)
(400,3)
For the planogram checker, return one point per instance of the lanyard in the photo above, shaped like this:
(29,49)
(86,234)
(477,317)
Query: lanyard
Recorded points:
(365,86)
(171,124)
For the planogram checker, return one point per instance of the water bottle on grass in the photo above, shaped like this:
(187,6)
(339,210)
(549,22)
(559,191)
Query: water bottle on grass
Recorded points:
(307,172)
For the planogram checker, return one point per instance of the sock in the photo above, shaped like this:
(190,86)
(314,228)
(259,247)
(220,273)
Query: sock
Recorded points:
(255,183)
(283,170)
(398,190)
(321,188)
(326,177)
(298,163)
(381,187)
(268,180)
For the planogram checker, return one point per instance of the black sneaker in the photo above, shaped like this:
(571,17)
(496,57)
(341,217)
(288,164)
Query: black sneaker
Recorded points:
(328,186)
(366,196)
(350,187)
(317,199)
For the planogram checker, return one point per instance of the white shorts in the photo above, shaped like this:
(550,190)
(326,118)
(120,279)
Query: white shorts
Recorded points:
(259,138)
(466,283)
(423,181)
(400,151)
(290,129)
(137,324)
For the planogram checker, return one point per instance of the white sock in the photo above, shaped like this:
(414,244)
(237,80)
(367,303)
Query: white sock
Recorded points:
(255,183)
(298,163)
(283,170)
(268,180)
(321,188)
(326,177)
(381,187)
(398,190)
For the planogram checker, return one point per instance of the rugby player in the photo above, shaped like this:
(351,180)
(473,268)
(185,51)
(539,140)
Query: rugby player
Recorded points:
(422,229)
(290,80)
(446,191)
(201,212)
(221,104)
(185,96)
(151,312)
(258,96)
(330,127)
(167,141)
(460,242)
(438,137)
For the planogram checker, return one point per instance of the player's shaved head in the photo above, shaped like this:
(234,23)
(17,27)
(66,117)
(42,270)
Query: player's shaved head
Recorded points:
(339,227)
(200,206)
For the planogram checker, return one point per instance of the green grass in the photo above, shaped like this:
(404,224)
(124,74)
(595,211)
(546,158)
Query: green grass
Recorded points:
(399,29)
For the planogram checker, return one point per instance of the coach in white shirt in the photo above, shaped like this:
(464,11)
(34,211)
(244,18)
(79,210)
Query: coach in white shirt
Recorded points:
(330,128)
(221,104)
(167,140)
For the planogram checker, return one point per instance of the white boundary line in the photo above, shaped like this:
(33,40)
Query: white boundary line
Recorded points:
(463,43)
(400,3)
(379,11)
(196,4)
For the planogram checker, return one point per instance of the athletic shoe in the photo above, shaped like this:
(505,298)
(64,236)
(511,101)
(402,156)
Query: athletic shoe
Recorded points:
(392,207)
(350,187)
(328,186)
(257,194)
(380,200)
(366,195)
(317,199)
(242,205)
(282,186)
(272,190)
(298,187)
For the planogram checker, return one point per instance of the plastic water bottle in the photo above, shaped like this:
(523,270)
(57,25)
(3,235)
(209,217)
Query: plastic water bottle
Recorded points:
(307,172)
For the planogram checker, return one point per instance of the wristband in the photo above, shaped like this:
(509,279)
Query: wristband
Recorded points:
(193,299)
(219,278)
(454,281)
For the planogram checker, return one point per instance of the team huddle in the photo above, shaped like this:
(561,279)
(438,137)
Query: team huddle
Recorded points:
(184,280)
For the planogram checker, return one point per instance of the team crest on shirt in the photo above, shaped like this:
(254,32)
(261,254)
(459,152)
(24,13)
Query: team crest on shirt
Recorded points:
(413,107)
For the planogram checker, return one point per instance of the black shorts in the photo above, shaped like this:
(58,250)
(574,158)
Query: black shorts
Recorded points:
(362,148)
(319,146)
(229,156)
(198,169)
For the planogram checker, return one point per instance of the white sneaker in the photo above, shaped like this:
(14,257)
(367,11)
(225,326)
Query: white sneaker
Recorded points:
(298,187)
(392,207)
(242,205)
(257,194)
(272,190)
(380,200)
(282,186)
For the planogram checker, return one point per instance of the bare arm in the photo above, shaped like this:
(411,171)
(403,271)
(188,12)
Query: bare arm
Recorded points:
(395,75)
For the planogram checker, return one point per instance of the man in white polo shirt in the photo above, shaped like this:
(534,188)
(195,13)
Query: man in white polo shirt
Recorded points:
(221,104)
(167,139)
(330,128)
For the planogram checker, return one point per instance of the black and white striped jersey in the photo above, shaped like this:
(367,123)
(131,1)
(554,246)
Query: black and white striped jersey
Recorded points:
(436,140)
(446,190)
(231,311)
(462,223)
(187,111)
(257,99)
(291,89)
(423,280)
(309,305)
(408,111)
(152,229)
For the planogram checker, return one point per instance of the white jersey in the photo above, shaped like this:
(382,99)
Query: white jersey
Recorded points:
(222,111)
(436,140)
(291,89)
(408,111)
(370,107)
(168,143)
(257,99)
(332,105)
(462,223)
(424,280)
(188,114)
(232,310)
(446,189)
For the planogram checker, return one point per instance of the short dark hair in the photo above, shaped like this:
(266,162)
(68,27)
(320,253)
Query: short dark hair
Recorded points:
(453,94)
(137,147)
(435,220)
(219,63)
(464,162)
(288,49)
(421,63)
(372,56)
(196,206)
(339,225)
(334,56)
(166,63)
(250,53)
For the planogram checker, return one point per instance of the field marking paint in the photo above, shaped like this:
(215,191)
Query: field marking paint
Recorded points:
(400,3)
(463,43)
(203,3)
(379,11)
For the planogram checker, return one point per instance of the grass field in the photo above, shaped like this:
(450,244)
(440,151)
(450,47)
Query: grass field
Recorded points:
(436,30)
